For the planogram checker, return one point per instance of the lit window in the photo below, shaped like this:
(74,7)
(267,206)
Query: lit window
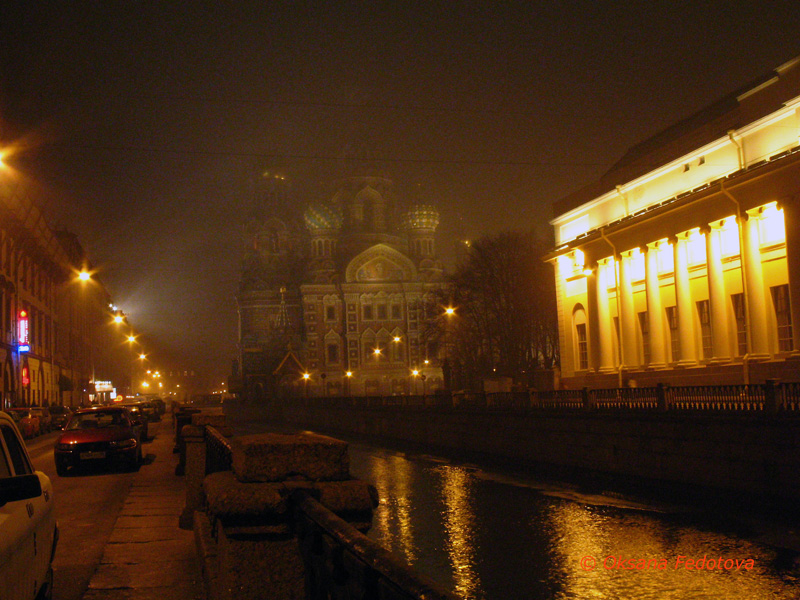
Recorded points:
(729,237)
(772,228)
(783,317)
(666,258)
(637,265)
(581,340)
(672,321)
(741,323)
(644,327)
(696,247)
(703,312)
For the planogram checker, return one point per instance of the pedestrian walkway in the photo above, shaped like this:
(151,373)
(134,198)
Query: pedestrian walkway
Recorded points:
(148,556)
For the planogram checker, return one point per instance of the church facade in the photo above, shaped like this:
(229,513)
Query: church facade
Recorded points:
(681,264)
(335,300)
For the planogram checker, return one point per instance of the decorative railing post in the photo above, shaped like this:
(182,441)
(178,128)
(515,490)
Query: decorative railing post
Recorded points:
(771,399)
(661,397)
(194,447)
(587,399)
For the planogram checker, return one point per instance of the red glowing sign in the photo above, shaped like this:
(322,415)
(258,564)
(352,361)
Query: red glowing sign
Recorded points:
(23,327)
(25,379)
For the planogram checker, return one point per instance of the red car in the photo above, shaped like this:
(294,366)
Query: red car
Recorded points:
(102,434)
(27,422)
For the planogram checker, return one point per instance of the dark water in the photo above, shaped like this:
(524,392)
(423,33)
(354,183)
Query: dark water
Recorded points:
(503,536)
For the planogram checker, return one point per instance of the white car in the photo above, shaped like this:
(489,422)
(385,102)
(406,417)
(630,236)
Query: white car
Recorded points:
(28,528)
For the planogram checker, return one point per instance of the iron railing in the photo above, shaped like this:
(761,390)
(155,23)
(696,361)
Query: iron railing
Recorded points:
(768,397)
(342,563)
(219,456)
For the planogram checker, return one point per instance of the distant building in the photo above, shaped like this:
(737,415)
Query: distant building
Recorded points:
(682,263)
(340,292)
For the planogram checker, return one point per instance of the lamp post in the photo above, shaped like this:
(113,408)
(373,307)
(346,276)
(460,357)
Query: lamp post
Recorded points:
(348,376)
(449,312)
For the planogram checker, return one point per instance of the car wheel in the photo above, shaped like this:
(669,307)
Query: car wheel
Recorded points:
(61,468)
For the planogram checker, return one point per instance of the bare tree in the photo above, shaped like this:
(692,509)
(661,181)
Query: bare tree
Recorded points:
(504,322)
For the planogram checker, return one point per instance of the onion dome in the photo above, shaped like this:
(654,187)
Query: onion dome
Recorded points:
(421,216)
(321,216)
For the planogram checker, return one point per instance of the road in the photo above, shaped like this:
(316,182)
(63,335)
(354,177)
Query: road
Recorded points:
(87,505)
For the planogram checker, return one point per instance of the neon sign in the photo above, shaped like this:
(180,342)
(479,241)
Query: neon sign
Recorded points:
(24,342)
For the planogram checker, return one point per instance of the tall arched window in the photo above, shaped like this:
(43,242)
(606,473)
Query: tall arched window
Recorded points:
(581,346)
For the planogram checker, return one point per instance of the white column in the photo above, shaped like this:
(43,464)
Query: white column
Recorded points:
(606,339)
(627,318)
(720,335)
(593,331)
(655,312)
(754,284)
(683,300)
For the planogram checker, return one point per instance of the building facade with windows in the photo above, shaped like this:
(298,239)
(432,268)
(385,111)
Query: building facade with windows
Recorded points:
(681,264)
(57,332)
(348,295)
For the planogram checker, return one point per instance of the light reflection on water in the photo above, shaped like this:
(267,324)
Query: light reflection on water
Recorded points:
(500,537)
(504,539)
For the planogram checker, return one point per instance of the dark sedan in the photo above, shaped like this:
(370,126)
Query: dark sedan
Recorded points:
(96,435)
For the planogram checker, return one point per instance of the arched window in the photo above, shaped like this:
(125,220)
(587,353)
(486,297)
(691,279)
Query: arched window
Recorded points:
(581,345)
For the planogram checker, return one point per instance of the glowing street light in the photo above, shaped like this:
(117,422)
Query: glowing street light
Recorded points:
(142,356)
(131,338)
(117,318)
(449,311)
(84,276)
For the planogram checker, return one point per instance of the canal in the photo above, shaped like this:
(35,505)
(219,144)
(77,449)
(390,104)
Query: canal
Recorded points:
(490,533)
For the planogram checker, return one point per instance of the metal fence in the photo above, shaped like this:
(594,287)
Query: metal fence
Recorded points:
(769,397)
(342,563)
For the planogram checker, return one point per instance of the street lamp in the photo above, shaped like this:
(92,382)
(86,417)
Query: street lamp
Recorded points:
(306,377)
(348,377)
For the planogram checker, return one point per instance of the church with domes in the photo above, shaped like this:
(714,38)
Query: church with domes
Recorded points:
(335,300)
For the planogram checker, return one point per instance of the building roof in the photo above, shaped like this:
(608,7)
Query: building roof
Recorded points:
(745,105)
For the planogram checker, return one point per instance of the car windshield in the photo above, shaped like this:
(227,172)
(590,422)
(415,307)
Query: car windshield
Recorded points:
(97,420)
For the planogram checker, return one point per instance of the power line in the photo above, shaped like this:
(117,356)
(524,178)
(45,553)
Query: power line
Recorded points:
(321,157)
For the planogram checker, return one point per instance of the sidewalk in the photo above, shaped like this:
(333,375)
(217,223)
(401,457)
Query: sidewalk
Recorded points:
(148,556)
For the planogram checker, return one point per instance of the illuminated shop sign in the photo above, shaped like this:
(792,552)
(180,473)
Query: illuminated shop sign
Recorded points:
(24,343)
(103,386)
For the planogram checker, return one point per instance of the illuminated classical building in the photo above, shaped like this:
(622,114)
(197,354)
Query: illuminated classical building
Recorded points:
(682,263)
(346,299)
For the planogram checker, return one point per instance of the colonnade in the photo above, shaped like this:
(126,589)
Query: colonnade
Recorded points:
(614,279)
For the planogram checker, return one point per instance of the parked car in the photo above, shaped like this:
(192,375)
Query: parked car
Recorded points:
(100,434)
(28,527)
(140,411)
(60,416)
(27,421)
(45,420)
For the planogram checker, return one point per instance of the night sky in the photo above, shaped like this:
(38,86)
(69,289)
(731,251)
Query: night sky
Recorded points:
(145,127)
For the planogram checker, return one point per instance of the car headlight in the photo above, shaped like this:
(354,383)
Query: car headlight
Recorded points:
(123,444)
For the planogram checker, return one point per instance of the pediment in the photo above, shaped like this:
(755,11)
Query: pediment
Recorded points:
(380,264)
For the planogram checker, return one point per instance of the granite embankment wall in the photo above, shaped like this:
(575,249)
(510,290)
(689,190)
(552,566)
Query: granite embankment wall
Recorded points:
(755,454)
